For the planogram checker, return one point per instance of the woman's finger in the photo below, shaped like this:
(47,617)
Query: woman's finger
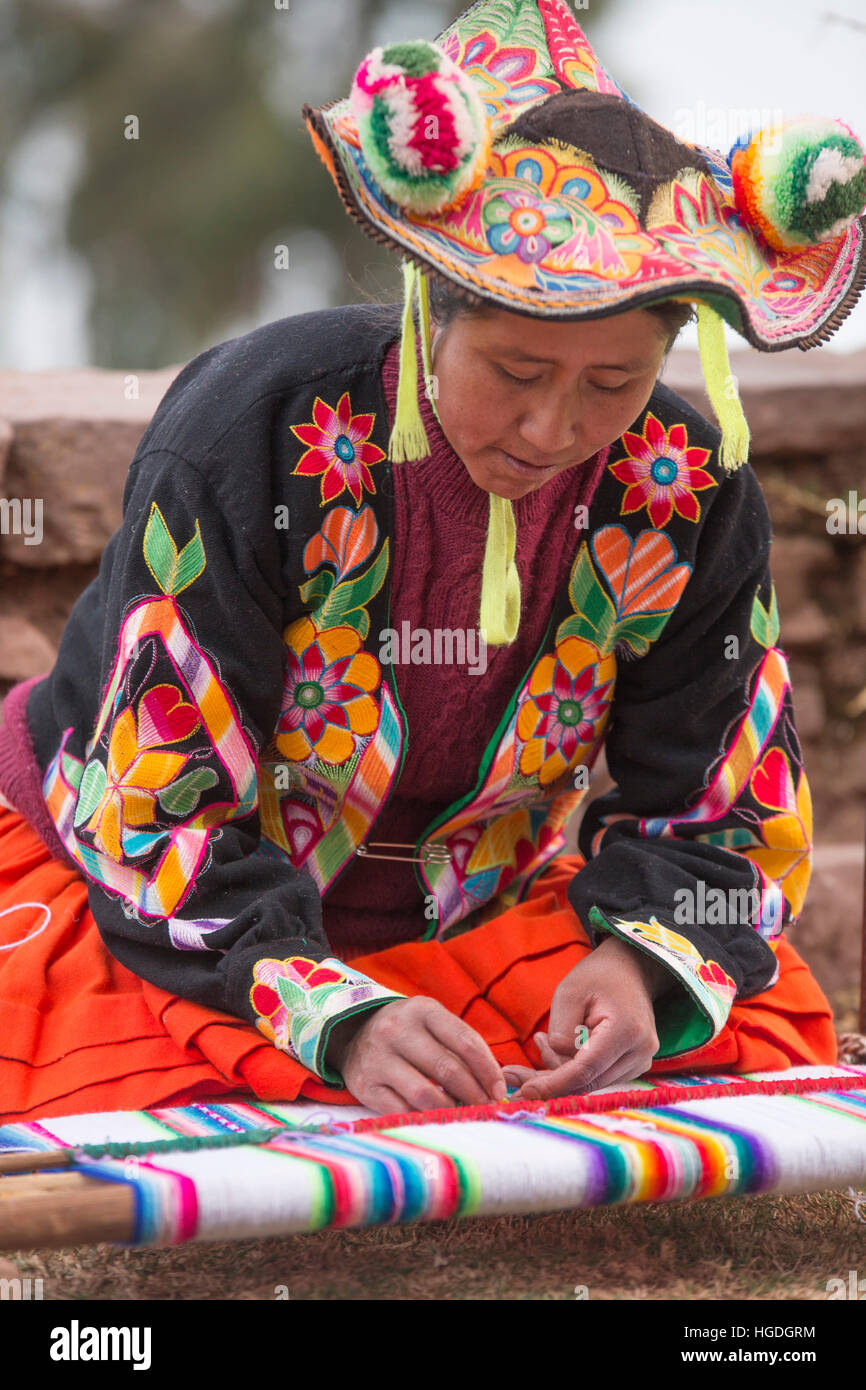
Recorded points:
(551,1059)
(416,1089)
(567,1009)
(629,1068)
(581,1072)
(515,1074)
(385,1100)
(471,1049)
(442,1068)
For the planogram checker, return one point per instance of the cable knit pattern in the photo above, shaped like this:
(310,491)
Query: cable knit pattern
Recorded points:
(440,531)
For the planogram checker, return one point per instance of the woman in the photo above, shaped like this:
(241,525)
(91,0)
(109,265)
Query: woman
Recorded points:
(260,788)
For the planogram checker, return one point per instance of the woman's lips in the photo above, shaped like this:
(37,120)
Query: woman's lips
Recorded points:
(527,470)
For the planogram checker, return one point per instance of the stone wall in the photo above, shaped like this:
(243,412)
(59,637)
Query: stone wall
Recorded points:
(67,438)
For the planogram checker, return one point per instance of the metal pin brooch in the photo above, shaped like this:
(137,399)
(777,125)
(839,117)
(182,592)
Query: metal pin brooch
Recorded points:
(431,853)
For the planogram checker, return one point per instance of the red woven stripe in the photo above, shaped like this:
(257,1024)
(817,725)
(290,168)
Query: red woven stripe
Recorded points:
(612,1100)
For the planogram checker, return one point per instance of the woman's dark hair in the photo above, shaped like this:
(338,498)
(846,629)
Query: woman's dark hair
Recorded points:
(447,302)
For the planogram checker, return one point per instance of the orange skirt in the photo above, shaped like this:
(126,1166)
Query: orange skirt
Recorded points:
(80,1032)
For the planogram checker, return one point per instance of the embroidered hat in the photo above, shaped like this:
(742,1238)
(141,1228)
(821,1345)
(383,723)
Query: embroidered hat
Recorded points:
(505,159)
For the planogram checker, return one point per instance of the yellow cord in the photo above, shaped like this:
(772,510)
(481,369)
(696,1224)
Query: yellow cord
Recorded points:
(722,388)
(500,581)
(426,342)
(408,437)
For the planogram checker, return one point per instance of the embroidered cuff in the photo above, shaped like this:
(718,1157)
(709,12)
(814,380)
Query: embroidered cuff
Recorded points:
(689,1017)
(297,1001)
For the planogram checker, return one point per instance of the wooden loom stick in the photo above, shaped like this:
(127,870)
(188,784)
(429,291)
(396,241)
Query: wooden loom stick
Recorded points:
(30,1161)
(54,1210)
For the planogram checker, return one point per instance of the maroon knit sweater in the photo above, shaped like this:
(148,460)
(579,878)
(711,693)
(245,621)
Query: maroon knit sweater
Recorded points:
(440,532)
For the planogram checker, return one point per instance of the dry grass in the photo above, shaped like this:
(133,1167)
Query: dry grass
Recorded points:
(747,1248)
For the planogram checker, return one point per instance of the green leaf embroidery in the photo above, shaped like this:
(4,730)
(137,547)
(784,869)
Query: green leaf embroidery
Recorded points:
(315,592)
(575,626)
(764,624)
(640,630)
(351,597)
(72,769)
(293,995)
(90,792)
(359,619)
(594,613)
(172,571)
(735,837)
(182,796)
(517,26)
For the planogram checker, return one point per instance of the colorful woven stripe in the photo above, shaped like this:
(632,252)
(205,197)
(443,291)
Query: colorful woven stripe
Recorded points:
(363,799)
(344,1167)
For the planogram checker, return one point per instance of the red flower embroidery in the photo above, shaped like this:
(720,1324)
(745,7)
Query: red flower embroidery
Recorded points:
(663,473)
(314,974)
(717,980)
(276,982)
(339,449)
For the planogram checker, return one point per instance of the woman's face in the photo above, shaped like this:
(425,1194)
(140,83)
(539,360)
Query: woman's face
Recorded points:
(546,395)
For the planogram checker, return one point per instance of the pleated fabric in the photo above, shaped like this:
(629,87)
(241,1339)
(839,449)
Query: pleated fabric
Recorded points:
(79,1032)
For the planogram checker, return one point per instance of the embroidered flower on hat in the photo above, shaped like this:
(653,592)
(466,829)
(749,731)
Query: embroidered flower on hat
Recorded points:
(662,472)
(506,75)
(339,448)
(526,225)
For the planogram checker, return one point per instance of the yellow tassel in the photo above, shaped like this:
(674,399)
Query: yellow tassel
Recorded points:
(426,342)
(408,437)
(500,581)
(721,388)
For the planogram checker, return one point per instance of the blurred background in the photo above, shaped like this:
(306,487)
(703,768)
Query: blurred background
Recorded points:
(137,253)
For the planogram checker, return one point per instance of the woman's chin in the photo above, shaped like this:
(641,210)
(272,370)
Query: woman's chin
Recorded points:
(500,485)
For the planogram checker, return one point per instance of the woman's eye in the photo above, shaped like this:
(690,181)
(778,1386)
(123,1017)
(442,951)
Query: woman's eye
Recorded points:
(528,380)
(518,380)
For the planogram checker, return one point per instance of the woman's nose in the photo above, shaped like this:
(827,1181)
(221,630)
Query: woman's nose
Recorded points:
(549,427)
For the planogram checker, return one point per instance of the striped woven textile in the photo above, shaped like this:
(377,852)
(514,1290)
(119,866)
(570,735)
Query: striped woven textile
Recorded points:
(234,1169)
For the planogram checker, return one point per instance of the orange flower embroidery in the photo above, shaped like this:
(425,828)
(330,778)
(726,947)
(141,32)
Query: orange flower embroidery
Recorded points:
(570,696)
(327,693)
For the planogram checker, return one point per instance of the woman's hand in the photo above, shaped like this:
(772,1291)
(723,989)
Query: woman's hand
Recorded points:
(611,990)
(414,1054)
